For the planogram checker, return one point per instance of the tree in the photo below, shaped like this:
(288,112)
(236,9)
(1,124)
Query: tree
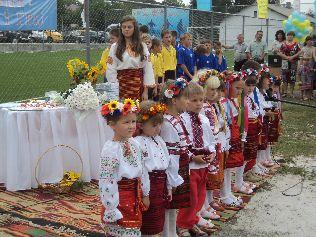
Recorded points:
(177,3)
(67,16)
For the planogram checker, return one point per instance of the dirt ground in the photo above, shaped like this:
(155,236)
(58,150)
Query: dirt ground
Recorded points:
(270,213)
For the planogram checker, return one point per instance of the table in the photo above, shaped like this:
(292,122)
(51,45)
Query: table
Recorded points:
(25,135)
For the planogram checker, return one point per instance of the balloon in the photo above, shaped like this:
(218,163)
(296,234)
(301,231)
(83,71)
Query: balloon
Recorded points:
(299,24)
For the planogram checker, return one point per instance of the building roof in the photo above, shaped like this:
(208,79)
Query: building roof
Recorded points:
(285,11)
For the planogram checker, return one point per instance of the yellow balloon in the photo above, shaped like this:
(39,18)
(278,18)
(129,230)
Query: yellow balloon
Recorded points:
(295,22)
(284,22)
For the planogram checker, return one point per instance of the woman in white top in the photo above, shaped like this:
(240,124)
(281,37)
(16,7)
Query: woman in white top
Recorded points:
(276,45)
(129,62)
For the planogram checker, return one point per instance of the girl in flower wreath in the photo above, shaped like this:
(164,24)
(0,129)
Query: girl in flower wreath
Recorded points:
(214,111)
(162,173)
(121,171)
(174,95)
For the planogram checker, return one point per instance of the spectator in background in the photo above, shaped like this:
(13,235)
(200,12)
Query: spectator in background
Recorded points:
(276,45)
(185,58)
(113,38)
(257,50)
(289,52)
(157,62)
(309,51)
(143,29)
(220,60)
(169,56)
(240,52)
(203,55)
(147,40)
(174,37)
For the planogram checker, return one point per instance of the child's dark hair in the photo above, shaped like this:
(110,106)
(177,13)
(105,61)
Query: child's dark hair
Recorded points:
(205,41)
(263,76)
(217,43)
(137,45)
(201,49)
(222,86)
(251,64)
(115,32)
(164,32)
(174,33)
(144,29)
(168,101)
(145,106)
(251,80)
(155,43)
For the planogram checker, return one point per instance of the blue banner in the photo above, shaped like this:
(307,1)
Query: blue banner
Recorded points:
(28,14)
(177,19)
(204,5)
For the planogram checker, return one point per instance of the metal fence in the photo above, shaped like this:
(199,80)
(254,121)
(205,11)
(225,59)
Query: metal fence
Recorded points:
(35,62)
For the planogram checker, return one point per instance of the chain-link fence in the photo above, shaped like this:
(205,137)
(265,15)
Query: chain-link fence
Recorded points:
(33,62)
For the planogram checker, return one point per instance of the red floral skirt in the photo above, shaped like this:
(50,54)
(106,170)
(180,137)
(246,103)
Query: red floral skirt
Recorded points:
(130,83)
(251,146)
(235,157)
(154,217)
(215,181)
(275,127)
(131,205)
(181,194)
(263,137)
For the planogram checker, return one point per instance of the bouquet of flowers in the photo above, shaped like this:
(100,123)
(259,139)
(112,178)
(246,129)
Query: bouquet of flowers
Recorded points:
(82,99)
(80,72)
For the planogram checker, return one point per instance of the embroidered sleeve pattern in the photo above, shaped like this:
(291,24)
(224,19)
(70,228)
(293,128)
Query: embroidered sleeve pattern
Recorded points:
(109,188)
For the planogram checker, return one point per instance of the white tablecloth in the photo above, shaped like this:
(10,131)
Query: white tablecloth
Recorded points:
(25,135)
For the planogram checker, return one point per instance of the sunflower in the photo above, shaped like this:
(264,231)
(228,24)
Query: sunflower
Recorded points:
(129,101)
(113,105)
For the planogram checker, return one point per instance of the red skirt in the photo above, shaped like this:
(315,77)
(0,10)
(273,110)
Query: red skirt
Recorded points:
(181,194)
(251,146)
(130,203)
(263,137)
(154,217)
(130,83)
(215,181)
(235,157)
(275,127)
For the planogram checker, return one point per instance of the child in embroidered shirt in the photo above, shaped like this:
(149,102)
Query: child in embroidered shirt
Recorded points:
(121,171)
(213,110)
(203,147)
(157,163)
(172,132)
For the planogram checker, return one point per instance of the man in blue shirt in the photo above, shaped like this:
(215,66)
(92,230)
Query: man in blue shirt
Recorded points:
(185,58)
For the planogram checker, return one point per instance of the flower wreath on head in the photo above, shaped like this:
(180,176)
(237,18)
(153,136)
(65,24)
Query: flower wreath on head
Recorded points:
(264,69)
(116,108)
(175,88)
(275,79)
(248,72)
(206,75)
(152,111)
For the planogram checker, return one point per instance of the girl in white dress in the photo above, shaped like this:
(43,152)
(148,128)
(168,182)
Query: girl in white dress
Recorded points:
(121,171)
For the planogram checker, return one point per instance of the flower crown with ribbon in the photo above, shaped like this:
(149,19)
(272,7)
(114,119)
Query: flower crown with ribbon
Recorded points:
(264,69)
(248,72)
(145,114)
(175,88)
(117,108)
(202,77)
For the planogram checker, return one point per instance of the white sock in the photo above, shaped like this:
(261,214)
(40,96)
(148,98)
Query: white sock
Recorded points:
(206,204)
(268,153)
(169,228)
(240,176)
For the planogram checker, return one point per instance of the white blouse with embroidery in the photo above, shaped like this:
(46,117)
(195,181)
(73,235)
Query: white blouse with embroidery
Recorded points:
(129,62)
(113,167)
(253,108)
(156,157)
(208,137)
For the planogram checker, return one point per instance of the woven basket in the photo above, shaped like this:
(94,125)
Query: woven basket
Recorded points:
(56,187)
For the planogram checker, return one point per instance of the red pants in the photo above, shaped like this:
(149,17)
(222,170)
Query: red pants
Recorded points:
(187,217)
(249,165)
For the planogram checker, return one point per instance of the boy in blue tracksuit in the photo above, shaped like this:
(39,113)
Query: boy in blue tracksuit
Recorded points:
(185,58)
(204,58)
(220,59)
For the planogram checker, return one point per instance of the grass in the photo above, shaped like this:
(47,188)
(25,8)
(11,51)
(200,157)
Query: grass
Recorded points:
(25,75)
(299,133)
